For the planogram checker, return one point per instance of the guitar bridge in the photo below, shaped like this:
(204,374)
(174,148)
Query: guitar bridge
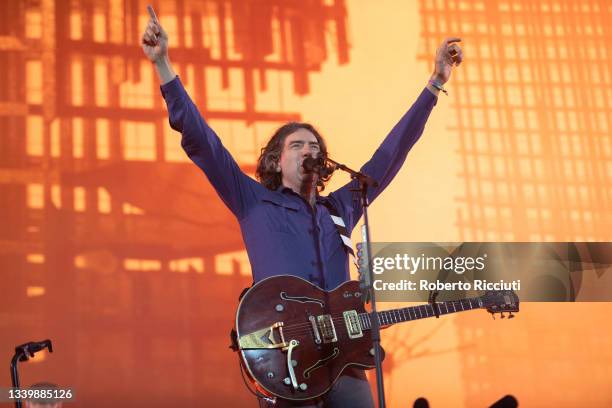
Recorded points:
(264,338)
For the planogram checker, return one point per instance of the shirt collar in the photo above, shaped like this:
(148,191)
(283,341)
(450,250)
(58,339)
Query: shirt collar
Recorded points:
(287,190)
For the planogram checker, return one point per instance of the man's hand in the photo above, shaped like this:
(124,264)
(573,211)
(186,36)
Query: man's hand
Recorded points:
(448,54)
(154,39)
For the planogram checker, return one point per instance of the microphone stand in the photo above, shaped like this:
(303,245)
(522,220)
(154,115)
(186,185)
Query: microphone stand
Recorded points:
(365,277)
(23,353)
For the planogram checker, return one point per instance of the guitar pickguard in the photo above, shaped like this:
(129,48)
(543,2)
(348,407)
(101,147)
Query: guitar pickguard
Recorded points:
(301,299)
(321,362)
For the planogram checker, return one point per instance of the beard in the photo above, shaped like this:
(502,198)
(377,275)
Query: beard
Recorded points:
(308,184)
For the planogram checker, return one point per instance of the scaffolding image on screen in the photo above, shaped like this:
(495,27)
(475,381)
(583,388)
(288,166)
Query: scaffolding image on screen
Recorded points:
(532,116)
(532,110)
(115,246)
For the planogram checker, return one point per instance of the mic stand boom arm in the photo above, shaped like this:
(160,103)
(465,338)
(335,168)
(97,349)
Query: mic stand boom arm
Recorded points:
(356,175)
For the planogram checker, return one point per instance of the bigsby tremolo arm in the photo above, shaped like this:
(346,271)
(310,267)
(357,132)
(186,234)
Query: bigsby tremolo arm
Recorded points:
(292,345)
(264,338)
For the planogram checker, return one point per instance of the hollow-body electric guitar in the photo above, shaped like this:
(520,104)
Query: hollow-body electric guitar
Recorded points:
(295,339)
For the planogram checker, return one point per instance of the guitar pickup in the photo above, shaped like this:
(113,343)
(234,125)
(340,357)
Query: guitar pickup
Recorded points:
(315,330)
(353,327)
(327,329)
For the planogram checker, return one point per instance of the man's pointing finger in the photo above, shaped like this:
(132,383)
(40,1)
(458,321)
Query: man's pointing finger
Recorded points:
(151,12)
(451,40)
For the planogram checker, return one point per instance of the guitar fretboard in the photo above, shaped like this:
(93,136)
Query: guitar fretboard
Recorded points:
(389,317)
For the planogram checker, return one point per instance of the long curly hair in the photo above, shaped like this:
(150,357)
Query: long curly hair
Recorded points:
(270,156)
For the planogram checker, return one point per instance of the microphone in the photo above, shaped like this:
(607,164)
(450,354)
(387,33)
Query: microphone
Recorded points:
(312,165)
(27,350)
(318,165)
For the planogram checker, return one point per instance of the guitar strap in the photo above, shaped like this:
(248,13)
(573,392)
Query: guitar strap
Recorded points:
(341,228)
(234,340)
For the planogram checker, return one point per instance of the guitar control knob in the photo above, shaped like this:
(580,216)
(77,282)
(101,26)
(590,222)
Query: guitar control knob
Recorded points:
(279,308)
(293,363)
(303,386)
(372,351)
(270,374)
(287,381)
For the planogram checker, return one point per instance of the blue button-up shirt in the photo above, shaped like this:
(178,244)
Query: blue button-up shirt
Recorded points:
(283,234)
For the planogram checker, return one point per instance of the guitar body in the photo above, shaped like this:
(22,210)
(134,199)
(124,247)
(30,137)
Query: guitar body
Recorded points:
(318,350)
(295,339)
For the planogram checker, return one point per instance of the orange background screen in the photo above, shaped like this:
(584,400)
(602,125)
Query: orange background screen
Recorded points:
(116,247)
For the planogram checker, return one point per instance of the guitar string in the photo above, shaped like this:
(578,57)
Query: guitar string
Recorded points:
(391,319)
(387,319)
(390,316)
(298,329)
(340,319)
(308,325)
(306,328)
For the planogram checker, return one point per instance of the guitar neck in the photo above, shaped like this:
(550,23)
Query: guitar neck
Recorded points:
(393,316)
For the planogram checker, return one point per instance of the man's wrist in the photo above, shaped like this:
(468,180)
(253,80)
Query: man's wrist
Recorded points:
(432,89)
(438,78)
(164,69)
(162,61)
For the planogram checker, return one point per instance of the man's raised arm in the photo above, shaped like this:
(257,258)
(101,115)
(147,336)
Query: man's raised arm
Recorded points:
(390,156)
(199,141)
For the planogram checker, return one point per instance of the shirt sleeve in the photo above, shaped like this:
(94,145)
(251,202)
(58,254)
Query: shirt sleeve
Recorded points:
(205,149)
(388,158)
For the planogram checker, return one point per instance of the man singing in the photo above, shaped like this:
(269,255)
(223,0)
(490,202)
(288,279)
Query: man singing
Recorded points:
(286,224)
